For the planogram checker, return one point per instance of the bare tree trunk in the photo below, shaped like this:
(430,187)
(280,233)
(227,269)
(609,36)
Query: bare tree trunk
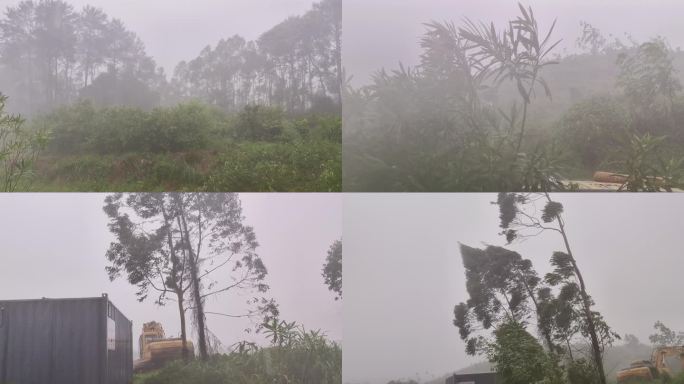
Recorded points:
(197,295)
(181,313)
(180,292)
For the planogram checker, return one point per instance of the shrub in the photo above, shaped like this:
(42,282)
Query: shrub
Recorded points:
(309,359)
(259,123)
(299,166)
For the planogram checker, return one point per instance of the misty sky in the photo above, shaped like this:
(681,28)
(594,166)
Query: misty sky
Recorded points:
(175,30)
(381,33)
(403,272)
(53,245)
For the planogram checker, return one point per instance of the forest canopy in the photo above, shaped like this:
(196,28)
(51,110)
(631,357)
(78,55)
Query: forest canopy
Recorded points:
(52,54)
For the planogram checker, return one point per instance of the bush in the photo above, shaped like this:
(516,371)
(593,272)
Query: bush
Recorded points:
(259,123)
(592,129)
(82,128)
(299,166)
(520,359)
(310,359)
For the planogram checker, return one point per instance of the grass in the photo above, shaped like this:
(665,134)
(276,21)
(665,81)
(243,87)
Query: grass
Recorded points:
(247,166)
(302,364)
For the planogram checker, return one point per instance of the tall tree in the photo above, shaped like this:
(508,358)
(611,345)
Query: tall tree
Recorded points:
(332,269)
(517,222)
(51,53)
(193,245)
(296,65)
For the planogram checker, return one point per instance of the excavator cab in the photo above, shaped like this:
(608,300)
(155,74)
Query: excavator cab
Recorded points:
(156,349)
(666,362)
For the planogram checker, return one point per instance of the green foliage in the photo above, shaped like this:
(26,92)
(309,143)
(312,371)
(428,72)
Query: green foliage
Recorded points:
(647,77)
(19,149)
(332,269)
(646,168)
(299,166)
(500,286)
(308,359)
(188,147)
(581,371)
(520,359)
(591,130)
(83,128)
(259,123)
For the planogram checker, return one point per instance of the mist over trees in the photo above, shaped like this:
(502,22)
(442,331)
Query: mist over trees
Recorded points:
(52,54)
(492,108)
(262,115)
(295,65)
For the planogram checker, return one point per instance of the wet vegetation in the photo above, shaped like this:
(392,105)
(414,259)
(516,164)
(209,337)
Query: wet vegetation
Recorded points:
(490,109)
(243,115)
(301,356)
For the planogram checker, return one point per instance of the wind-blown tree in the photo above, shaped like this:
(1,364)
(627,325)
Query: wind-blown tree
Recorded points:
(665,336)
(191,246)
(332,269)
(519,220)
(502,288)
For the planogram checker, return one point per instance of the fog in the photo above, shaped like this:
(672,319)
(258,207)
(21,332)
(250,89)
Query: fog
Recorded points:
(382,33)
(403,271)
(53,245)
(178,30)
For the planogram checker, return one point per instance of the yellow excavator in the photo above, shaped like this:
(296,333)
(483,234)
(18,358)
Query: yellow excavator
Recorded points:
(156,350)
(657,367)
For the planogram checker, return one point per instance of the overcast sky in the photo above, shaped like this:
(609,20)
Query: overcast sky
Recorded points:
(403,272)
(175,30)
(53,245)
(381,33)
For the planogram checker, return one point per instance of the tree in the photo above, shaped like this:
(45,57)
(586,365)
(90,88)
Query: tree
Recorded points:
(501,285)
(19,149)
(664,336)
(191,245)
(295,65)
(520,359)
(517,222)
(332,269)
(50,53)
(648,78)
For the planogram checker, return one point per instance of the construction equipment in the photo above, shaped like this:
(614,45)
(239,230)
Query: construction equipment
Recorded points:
(610,182)
(156,350)
(657,367)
